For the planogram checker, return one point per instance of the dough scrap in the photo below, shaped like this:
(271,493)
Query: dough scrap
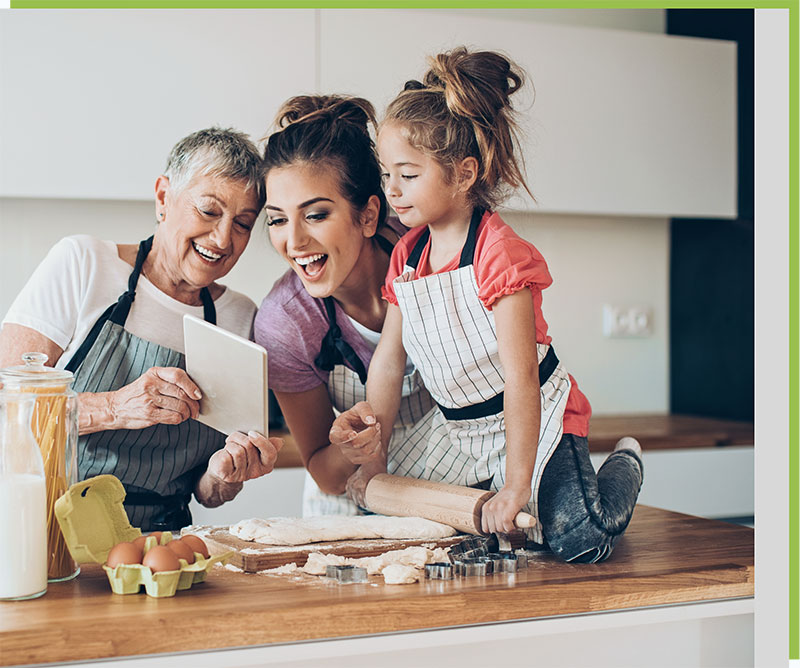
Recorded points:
(399,564)
(396,574)
(301,531)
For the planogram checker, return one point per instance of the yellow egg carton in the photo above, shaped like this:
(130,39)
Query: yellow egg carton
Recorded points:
(93,520)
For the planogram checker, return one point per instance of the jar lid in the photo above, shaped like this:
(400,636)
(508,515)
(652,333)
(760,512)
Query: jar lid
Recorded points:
(34,372)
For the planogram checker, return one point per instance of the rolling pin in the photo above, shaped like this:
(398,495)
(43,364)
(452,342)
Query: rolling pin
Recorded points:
(458,507)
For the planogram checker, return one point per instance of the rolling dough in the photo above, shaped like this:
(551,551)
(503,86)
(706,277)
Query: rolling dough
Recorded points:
(301,531)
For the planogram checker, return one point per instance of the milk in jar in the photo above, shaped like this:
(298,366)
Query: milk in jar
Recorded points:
(23,536)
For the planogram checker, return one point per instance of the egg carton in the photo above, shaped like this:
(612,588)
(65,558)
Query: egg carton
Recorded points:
(93,520)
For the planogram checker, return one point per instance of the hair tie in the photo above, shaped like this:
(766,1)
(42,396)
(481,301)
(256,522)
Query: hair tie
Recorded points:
(413,85)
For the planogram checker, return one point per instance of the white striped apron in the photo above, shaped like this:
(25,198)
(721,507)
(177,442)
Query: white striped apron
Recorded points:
(452,339)
(411,435)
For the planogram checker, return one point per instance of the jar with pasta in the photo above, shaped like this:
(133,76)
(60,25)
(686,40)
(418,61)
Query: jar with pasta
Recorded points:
(55,427)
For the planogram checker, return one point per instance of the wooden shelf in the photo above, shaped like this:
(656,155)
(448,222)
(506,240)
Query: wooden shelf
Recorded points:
(664,558)
(654,432)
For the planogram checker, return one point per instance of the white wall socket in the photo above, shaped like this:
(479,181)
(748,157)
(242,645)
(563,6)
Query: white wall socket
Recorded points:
(627,321)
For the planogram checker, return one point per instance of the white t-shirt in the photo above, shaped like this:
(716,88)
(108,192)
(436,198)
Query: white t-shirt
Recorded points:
(82,276)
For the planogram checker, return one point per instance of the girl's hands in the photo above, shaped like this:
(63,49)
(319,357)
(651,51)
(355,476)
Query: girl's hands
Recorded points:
(357,434)
(499,511)
(244,457)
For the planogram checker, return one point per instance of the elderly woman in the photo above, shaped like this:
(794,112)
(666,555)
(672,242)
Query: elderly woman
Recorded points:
(112,314)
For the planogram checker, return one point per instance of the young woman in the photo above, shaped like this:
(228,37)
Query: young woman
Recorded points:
(322,320)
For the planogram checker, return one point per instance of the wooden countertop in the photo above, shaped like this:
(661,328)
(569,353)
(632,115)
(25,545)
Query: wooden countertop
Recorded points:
(654,432)
(664,558)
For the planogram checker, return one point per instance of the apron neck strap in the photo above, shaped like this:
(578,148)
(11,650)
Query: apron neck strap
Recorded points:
(119,313)
(334,349)
(467,252)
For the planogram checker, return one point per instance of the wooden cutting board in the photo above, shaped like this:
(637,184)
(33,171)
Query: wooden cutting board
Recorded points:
(252,557)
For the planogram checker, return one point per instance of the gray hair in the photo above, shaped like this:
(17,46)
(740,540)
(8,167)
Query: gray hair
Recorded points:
(222,152)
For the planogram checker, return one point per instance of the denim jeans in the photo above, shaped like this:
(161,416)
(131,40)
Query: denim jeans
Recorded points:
(583,514)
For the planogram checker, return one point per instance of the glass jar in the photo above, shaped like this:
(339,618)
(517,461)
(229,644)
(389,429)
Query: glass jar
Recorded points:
(54,424)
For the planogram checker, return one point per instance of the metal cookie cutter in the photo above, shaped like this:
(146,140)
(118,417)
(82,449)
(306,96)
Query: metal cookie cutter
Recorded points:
(346,573)
(439,571)
(471,567)
(504,562)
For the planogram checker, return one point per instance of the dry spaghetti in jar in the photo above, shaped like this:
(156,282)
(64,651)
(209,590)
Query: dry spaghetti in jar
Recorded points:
(54,424)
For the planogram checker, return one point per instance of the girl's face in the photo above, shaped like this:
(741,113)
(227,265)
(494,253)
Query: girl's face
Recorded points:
(415,184)
(315,227)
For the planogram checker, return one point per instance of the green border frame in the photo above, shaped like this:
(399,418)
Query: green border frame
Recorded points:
(794,175)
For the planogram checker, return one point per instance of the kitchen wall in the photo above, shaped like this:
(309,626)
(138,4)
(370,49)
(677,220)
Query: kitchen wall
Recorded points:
(594,261)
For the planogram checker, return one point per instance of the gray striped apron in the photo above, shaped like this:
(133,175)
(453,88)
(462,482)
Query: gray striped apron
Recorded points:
(157,465)
(452,339)
(411,434)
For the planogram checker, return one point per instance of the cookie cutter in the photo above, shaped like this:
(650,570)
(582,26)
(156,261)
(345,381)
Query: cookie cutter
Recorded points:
(503,562)
(439,571)
(473,567)
(346,573)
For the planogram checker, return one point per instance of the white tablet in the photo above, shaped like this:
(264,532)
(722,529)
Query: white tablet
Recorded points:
(231,372)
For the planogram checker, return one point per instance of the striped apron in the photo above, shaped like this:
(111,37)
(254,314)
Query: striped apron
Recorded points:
(411,434)
(157,465)
(452,339)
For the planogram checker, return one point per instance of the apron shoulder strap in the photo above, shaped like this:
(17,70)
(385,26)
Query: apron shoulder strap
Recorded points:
(334,349)
(118,312)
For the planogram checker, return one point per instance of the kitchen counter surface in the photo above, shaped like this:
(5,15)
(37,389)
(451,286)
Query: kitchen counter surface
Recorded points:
(654,432)
(665,558)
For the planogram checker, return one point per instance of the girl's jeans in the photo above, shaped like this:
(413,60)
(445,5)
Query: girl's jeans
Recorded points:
(583,513)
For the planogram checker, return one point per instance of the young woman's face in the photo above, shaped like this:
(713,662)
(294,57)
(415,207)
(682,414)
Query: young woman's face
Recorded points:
(415,184)
(315,227)
(204,227)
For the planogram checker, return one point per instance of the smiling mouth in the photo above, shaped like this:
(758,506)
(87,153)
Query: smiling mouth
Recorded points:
(312,264)
(401,209)
(206,253)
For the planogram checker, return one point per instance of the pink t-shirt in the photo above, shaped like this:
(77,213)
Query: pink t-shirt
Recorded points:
(504,263)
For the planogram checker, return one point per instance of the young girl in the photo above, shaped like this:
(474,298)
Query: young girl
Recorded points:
(465,304)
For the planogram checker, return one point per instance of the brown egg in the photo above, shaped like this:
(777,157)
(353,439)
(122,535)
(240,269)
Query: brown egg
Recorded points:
(157,534)
(139,542)
(124,553)
(196,544)
(161,558)
(181,550)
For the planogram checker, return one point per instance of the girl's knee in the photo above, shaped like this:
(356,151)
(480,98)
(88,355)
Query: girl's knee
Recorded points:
(582,545)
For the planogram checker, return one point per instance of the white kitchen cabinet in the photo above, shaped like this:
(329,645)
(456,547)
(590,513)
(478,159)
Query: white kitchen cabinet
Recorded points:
(91,101)
(623,123)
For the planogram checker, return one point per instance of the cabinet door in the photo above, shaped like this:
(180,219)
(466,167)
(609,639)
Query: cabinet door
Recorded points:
(92,101)
(622,122)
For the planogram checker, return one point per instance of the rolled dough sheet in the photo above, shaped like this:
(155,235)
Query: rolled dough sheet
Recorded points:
(301,531)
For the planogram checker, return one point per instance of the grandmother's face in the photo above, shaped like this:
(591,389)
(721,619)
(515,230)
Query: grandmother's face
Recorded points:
(205,226)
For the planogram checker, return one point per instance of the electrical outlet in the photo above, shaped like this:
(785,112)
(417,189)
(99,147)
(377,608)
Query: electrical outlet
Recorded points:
(627,321)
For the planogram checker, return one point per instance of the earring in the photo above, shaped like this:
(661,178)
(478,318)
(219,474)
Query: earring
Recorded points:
(161,215)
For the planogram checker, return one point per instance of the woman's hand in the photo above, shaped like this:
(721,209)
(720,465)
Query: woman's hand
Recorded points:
(357,434)
(161,395)
(244,457)
(356,486)
(499,511)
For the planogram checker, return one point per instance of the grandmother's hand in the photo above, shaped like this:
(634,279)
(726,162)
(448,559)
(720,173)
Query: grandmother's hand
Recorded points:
(161,395)
(357,434)
(244,457)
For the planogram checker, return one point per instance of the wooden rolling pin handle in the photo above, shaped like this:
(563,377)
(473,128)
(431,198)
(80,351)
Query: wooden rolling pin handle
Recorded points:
(525,521)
